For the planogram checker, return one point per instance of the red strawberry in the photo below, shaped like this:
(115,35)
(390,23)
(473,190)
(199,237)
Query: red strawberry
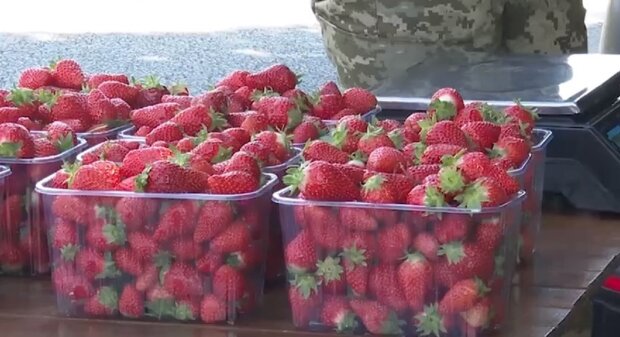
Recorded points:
(355,173)
(15,141)
(209,263)
(360,100)
(128,261)
(70,285)
(12,260)
(444,132)
(343,113)
(431,322)
(103,303)
(94,265)
(183,101)
(67,73)
(278,77)
(489,233)
(331,276)
(137,160)
(104,237)
(95,79)
(393,242)
(176,220)
(212,309)
(143,131)
(482,135)
(255,122)
(433,154)
(373,138)
(460,262)
(183,281)
(44,148)
(277,143)
(100,108)
(483,192)
(167,177)
(413,121)
(281,113)
(322,150)
(61,135)
(516,150)
(472,112)
(34,78)
(213,218)
(239,134)
(326,106)
(329,88)
(95,176)
(235,79)
(336,313)
(64,235)
(305,131)
(358,219)
(377,190)
(29,123)
(300,254)
(114,89)
(386,159)
(426,195)
(462,296)
(418,172)
(451,227)
(303,298)
(414,276)
(512,130)
(131,302)
(320,180)
(449,95)
(143,244)
(355,268)
(520,115)
(228,284)
(150,91)
(509,183)
(377,318)
(473,165)
(245,259)
(154,115)
(426,244)
(235,238)
(167,132)
(233,182)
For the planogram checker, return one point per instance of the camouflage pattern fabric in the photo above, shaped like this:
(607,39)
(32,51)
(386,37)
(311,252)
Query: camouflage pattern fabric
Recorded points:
(370,40)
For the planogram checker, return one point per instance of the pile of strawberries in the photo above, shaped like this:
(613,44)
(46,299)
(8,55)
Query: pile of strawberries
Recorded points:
(267,99)
(396,269)
(22,241)
(91,103)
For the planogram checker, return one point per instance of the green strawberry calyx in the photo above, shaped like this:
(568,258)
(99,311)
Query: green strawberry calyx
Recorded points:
(183,312)
(21,96)
(10,149)
(372,131)
(433,197)
(108,297)
(430,322)
(453,251)
(218,121)
(329,269)
(305,284)
(68,252)
(160,308)
(443,110)
(109,268)
(64,143)
(373,183)
(397,138)
(115,233)
(392,325)
(414,258)
(481,288)
(418,152)
(473,196)
(450,180)
(354,257)
(295,177)
(347,322)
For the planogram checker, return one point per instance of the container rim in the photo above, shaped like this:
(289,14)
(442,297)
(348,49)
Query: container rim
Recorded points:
(521,169)
(5,171)
(82,143)
(547,136)
(41,187)
(127,134)
(373,112)
(281,197)
(107,132)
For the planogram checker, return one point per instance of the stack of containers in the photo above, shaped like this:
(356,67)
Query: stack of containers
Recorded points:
(391,295)
(96,274)
(24,231)
(533,184)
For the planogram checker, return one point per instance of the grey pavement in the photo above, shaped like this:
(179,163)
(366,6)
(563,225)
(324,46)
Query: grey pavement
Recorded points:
(197,53)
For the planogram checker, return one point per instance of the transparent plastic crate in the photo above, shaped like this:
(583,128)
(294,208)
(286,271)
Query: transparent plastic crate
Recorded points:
(156,256)
(339,265)
(94,138)
(23,212)
(534,180)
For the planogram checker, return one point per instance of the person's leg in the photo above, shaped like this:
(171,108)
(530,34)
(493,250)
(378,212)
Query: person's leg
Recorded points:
(545,27)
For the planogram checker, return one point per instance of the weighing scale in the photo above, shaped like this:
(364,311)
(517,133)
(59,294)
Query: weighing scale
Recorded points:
(577,98)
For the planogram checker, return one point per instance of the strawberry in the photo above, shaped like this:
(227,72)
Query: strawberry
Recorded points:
(482,135)
(413,121)
(64,235)
(298,97)
(68,74)
(34,78)
(235,79)
(373,138)
(321,223)
(393,242)
(15,141)
(305,131)
(167,132)
(100,108)
(353,171)
(414,275)
(358,219)
(213,150)
(509,184)
(433,154)
(95,79)
(103,303)
(343,113)
(426,244)
(478,316)
(142,131)
(213,218)
(522,116)
(114,89)
(451,227)
(228,284)
(512,130)
(245,259)
(94,265)
(106,236)
(25,101)
(154,115)
(209,263)
(128,261)
(426,195)
(12,260)
(386,159)
(240,135)
(281,113)
(472,165)
(28,123)
(336,313)
(244,162)
(167,177)
(300,254)
(254,122)
(303,298)
(44,148)
(326,106)
(431,322)
(471,112)
(331,276)
(196,118)
(360,100)
(150,91)
(320,180)
(91,177)
(324,151)
(212,309)
(355,267)
(131,302)
(462,296)
(182,281)
(449,95)
(444,132)
(516,150)
(236,237)
(72,208)
(278,77)
(277,143)
(70,285)
(462,261)
(489,234)
(61,135)
(69,106)
(388,125)
(183,101)
(417,173)
(176,220)
(376,189)
(329,88)
(137,160)
(377,318)
(233,182)
(483,192)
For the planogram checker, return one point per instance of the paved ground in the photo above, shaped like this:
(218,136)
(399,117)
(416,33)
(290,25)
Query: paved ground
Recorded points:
(186,42)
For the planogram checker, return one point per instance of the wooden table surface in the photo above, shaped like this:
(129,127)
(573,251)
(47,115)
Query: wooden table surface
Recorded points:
(550,298)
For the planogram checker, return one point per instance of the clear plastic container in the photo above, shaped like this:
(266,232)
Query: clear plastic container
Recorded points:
(94,138)
(346,266)
(534,180)
(24,232)
(155,256)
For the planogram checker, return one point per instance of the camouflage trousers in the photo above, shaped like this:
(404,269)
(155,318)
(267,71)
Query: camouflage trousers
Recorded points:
(370,40)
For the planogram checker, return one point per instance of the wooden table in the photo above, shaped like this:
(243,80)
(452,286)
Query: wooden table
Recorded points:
(551,297)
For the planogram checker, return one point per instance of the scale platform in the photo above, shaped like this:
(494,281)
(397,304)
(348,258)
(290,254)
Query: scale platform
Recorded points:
(577,97)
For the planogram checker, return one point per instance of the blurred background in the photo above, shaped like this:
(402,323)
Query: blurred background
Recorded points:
(193,42)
